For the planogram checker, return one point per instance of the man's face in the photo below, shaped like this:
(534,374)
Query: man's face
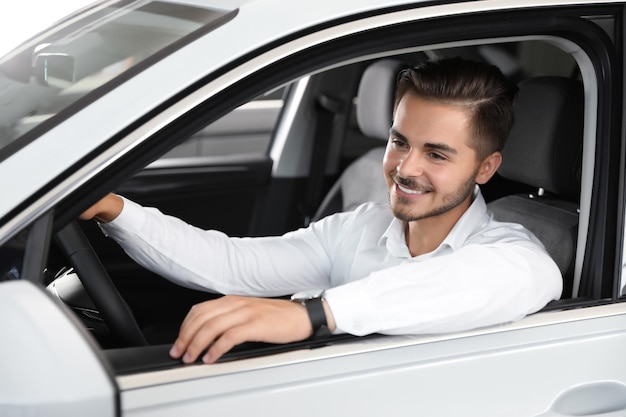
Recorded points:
(429,168)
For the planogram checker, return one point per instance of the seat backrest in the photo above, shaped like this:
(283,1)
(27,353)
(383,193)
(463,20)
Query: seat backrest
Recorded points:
(363,180)
(544,150)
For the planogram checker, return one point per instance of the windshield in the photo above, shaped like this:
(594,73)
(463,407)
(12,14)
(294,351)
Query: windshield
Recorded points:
(43,77)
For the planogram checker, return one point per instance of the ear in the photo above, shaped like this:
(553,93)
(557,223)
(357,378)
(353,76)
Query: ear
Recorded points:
(488,167)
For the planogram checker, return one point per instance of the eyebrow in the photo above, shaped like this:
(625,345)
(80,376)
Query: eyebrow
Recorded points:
(441,147)
(436,146)
(394,132)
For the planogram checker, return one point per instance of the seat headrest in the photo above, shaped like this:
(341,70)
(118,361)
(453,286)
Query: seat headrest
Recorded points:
(374,110)
(544,147)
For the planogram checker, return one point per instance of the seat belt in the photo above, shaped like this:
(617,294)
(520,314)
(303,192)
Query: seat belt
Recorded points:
(327,108)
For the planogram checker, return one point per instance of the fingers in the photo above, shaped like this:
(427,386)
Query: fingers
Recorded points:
(226,322)
(229,339)
(205,323)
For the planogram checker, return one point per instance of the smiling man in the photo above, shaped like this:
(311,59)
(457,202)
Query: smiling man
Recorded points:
(433,260)
(435,155)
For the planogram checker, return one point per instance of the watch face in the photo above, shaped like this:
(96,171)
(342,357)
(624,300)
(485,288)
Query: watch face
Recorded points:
(307,295)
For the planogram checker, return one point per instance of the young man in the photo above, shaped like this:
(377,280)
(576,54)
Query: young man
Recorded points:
(433,260)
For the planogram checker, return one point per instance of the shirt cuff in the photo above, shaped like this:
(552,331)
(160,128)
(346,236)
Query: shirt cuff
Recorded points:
(130,219)
(352,309)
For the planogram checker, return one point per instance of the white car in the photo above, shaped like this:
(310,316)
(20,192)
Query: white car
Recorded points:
(250,117)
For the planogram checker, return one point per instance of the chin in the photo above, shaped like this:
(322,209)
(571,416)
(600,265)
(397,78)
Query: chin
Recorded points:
(405,213)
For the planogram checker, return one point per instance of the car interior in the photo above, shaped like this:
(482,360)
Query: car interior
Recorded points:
(543,152)
(350,108)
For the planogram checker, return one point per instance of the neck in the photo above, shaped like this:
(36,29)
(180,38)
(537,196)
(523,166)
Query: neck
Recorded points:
(425,235)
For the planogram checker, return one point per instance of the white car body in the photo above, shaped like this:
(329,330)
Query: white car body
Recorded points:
(559,362)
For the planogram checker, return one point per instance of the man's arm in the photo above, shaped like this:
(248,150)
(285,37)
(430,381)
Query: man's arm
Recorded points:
(478,285)
(210,260)
(229,320)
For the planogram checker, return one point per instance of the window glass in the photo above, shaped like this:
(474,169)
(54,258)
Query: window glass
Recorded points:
(247,130)
(47,75)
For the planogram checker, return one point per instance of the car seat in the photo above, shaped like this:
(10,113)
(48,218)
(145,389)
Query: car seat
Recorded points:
(363,179)
(544,150)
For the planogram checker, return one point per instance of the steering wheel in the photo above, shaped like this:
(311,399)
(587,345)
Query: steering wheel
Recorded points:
(114,310)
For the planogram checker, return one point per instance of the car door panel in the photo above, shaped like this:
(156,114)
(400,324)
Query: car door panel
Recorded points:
(513,370)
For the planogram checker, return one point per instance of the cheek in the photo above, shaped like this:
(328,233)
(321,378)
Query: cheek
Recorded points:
(446,177)
(440,177)
(389,163)
(451,177)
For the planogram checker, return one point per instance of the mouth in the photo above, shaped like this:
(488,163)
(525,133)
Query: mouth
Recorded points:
(411,191)
(410,187)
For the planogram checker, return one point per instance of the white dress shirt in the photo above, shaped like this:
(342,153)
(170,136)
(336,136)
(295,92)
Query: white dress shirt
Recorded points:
(485,272)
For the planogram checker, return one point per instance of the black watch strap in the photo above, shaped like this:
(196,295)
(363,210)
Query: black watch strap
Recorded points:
(314,305)
(315,308)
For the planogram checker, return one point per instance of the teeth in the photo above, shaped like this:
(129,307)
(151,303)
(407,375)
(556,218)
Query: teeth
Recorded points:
(410,191)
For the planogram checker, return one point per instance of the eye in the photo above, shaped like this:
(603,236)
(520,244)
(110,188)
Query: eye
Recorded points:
(397,143)
(437,156)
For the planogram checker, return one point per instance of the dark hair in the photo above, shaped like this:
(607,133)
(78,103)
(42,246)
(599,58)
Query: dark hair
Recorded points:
(480,88)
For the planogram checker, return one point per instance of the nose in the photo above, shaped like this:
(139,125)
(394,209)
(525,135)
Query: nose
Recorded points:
(411,164)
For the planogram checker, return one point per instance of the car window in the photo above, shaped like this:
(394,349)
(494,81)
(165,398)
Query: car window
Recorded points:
(519,60)
(248,130)
(46,75)
(245,131)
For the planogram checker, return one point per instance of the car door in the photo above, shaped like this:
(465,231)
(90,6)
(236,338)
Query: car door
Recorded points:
(529,368)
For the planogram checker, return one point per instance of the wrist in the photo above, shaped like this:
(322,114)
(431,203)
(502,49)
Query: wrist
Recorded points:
(109,208)
(330,319)
(317,311)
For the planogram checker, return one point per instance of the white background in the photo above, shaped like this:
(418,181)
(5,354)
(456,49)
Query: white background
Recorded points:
(25,18)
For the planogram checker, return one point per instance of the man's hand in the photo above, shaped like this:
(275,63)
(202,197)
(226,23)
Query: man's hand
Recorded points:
(105,210)
(230,320)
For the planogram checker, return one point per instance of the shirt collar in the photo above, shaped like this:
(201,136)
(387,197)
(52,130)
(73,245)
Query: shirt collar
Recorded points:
(468,222)
(394,238)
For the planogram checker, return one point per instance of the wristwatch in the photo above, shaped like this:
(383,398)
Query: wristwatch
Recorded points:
(313,301)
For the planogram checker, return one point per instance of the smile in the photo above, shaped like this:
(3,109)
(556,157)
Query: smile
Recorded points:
(410,191)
